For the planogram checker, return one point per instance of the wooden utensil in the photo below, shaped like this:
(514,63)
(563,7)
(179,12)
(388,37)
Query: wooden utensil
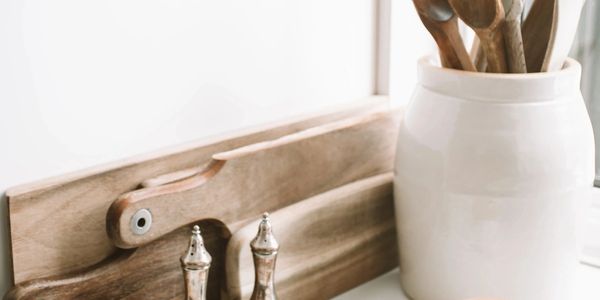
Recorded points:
(537,31)
(515,55)
(478,56)
(442,23)
(564,26)
(485,17)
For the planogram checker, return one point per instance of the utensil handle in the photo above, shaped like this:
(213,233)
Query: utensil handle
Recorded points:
(458,48)
(478,56)
(453,53)
(515,55)
(493,46)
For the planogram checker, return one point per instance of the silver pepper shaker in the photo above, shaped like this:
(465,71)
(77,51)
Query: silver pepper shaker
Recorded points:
(264,252)
(195,263)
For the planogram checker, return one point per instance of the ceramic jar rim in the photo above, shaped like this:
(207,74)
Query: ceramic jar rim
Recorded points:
(490,87)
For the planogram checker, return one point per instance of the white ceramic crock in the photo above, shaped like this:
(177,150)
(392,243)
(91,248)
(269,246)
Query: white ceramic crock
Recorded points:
(491,175)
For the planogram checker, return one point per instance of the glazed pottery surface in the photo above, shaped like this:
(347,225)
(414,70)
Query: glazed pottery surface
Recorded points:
(492,176)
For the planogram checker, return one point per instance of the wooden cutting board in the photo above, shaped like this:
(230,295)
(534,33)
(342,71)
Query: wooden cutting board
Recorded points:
(57,226)
(329,243)
(224,186)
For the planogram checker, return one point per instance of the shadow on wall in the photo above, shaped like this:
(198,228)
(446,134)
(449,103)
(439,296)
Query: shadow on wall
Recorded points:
(5,262)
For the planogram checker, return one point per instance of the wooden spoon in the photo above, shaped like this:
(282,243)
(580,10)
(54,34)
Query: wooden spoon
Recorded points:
(486,18)
(441,21)
(515,55)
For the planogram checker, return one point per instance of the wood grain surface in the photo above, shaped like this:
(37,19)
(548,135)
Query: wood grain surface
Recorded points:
(537,33)
(57,226)
(149,272)
(329,243)
(513,38)
(442,24)
(478,56)
(485,17)
(239,184)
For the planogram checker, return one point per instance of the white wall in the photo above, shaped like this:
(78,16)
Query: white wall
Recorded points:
(409,40)
(87,82)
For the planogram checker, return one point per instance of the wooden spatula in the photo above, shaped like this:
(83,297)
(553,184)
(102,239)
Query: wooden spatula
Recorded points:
(442,23)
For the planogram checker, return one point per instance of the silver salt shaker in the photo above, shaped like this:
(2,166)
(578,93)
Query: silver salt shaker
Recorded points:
(264,252)
(195,263)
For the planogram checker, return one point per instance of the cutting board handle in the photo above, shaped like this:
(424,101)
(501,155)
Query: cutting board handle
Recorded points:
(265,176)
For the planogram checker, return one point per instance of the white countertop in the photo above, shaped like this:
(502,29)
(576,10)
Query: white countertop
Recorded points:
(387,286)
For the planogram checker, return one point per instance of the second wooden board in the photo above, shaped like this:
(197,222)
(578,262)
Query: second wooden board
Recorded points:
(329,243)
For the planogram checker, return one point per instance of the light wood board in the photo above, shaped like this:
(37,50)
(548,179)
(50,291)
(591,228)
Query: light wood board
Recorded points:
(149,272)
(329,243)
(57,226)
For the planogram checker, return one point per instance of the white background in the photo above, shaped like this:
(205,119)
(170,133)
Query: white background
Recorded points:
(88,82)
